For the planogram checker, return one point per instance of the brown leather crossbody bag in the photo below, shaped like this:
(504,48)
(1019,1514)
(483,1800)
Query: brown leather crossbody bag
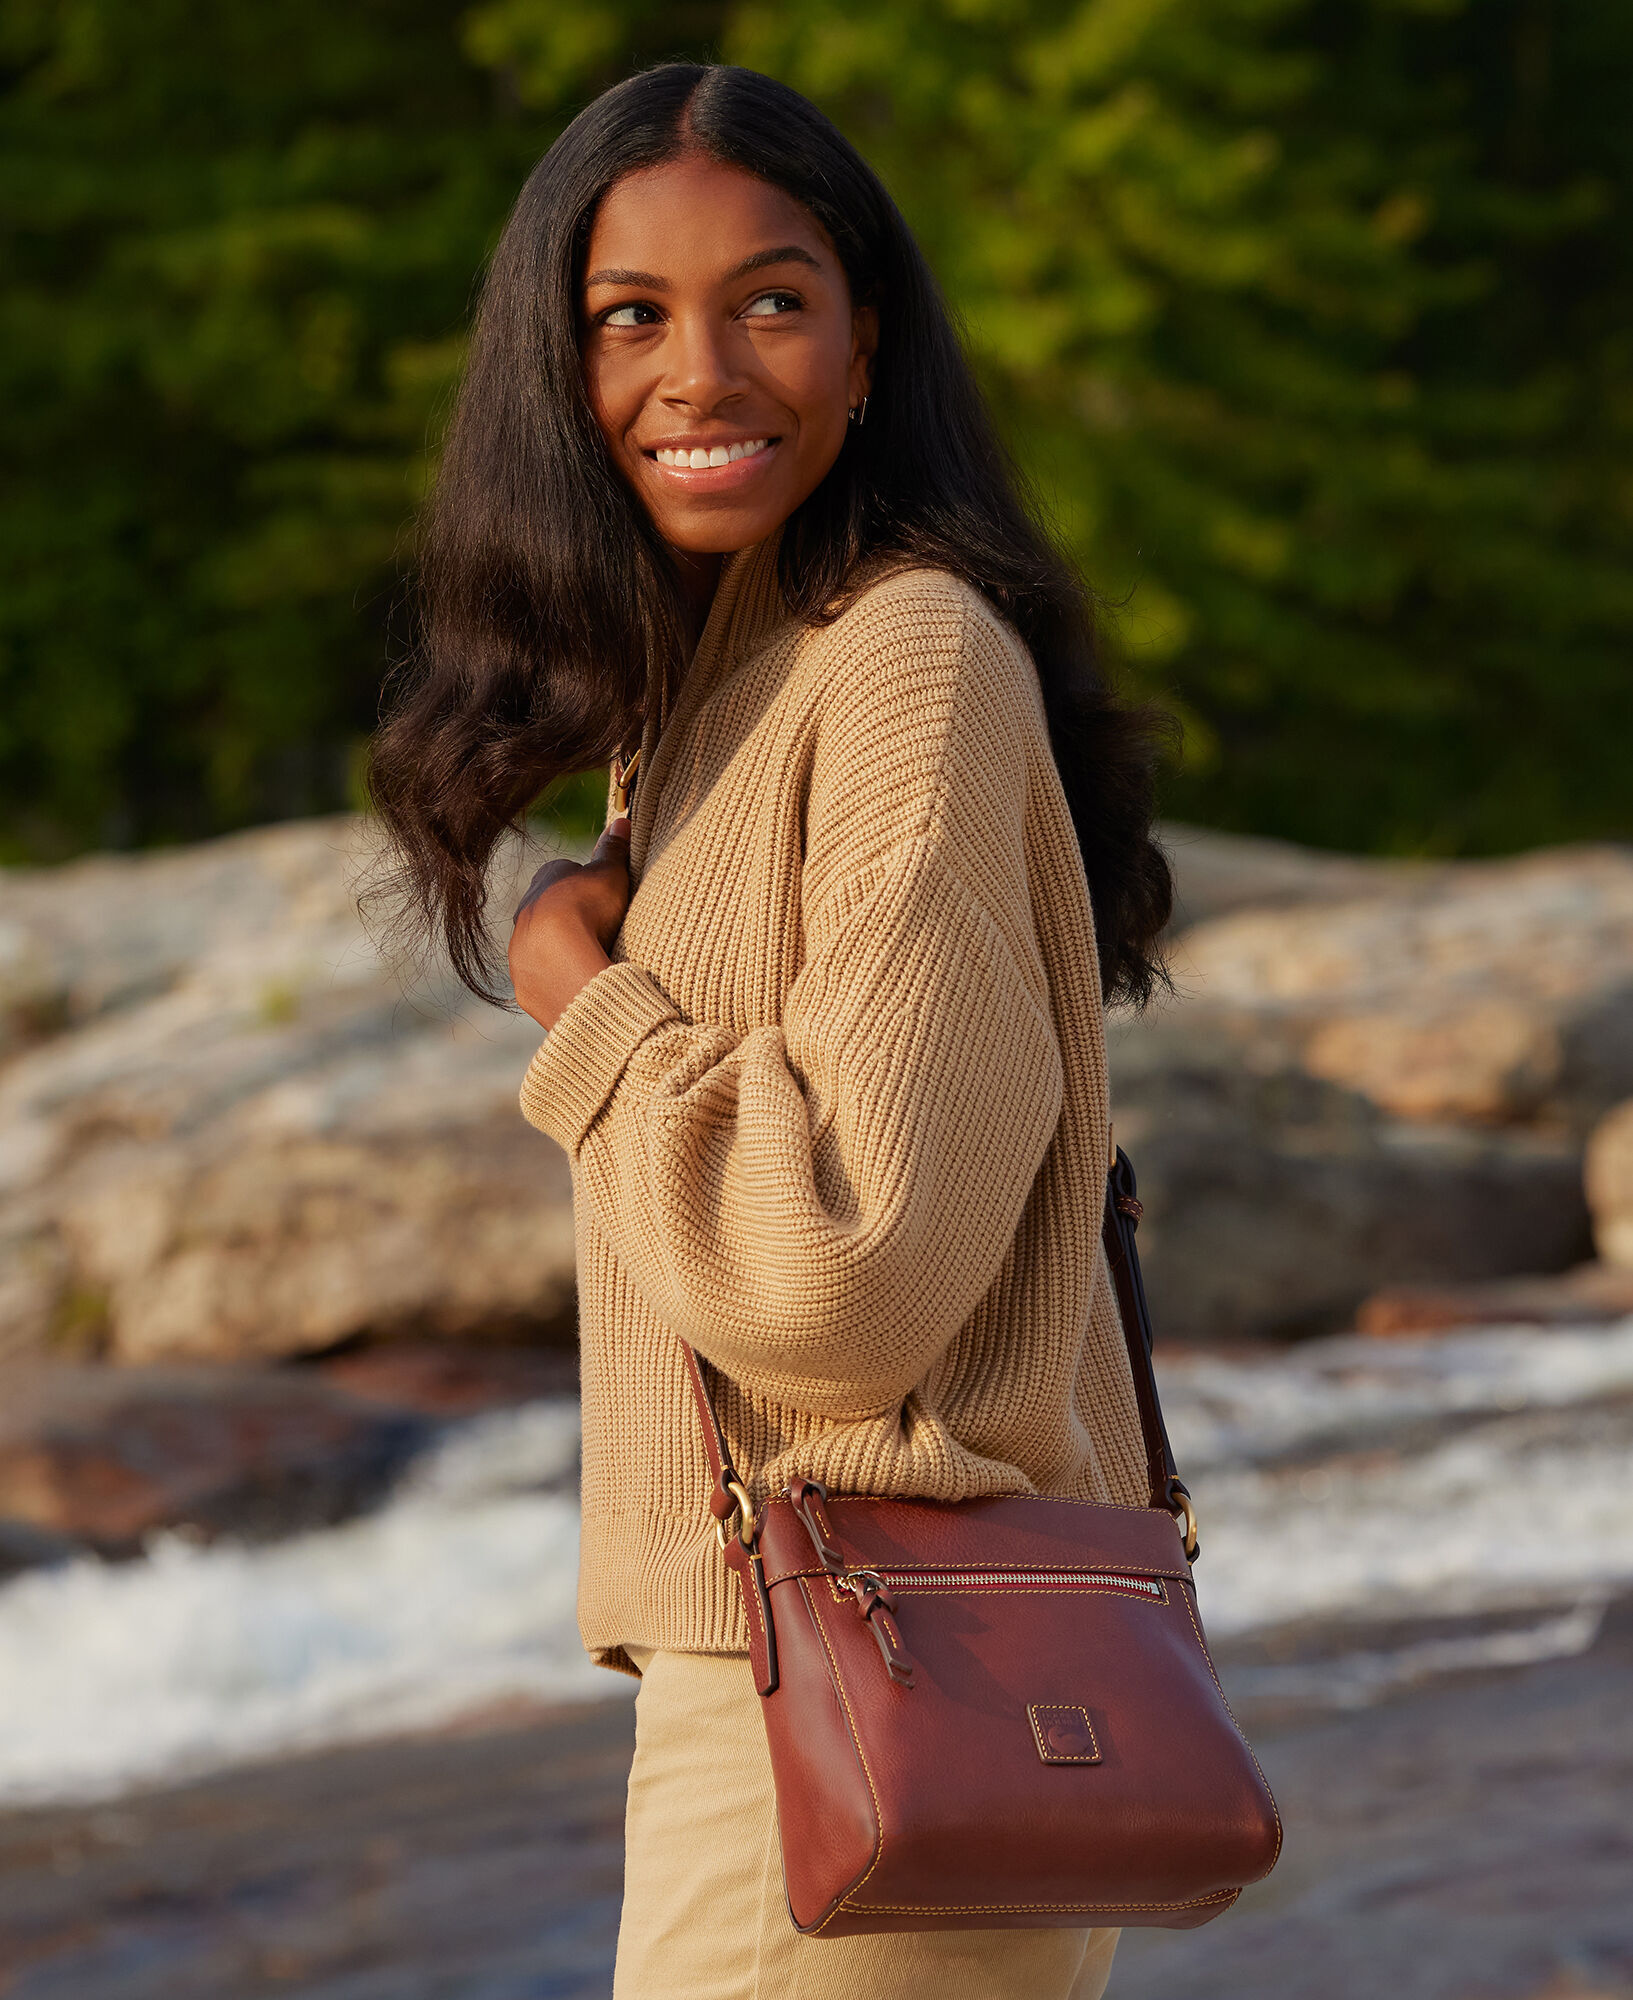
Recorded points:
(995,1712)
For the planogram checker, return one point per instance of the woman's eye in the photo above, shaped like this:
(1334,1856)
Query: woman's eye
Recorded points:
(633,315)
(769,303)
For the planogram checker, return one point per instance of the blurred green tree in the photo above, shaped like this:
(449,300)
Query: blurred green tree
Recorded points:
(1308,318)
(1311,322)
(239,245)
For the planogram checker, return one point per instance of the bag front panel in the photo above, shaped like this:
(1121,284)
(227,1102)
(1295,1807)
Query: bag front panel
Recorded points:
(1064,1755)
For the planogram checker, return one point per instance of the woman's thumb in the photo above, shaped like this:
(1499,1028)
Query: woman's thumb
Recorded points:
(615,833)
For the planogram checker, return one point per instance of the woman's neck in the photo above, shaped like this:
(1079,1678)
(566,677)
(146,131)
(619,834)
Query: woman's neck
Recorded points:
(699,576)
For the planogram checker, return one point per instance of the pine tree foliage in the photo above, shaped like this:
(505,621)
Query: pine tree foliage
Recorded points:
(239,246)
(1310,320)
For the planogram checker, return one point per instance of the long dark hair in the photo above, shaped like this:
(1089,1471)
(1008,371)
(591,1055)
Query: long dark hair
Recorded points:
(544,593)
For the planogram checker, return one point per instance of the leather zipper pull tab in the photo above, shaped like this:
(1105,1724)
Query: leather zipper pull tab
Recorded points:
(877,1605)
(807,1496)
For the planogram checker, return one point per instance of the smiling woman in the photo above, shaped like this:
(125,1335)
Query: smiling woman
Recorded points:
(723,389)
(825,1040)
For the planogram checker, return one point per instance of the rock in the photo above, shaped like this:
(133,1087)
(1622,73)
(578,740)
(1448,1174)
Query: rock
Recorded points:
(1609,1175)
(100,1457)
(296,1245)
(440,1380)
(1491,1061)
(1492,992)
(1379,1076)
(231,1127)
(1216,873)
(1589,1295)
(1276,1201)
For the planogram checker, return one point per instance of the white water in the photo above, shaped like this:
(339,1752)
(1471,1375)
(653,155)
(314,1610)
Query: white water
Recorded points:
(1347,1480)
(457,1594)
(1378,1506)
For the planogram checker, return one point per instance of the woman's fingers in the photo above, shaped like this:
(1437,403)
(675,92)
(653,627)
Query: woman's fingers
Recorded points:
(560,940)
(614,841)
(609,865)
(610,854)
(552,871)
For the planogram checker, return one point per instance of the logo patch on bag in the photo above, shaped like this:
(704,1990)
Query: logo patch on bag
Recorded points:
(1063,1733)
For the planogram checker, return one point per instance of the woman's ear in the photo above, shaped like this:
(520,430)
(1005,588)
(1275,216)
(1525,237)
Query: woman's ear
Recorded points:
(864,345)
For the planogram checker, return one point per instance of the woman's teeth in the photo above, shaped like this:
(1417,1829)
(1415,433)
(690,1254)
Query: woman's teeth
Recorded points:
(720,454)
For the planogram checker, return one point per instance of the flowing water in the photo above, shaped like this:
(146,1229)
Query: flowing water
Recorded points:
(1421,1506)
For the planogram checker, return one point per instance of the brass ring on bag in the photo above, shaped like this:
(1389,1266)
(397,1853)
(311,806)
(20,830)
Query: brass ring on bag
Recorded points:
(745,1508)
(618,788)
(1181,1500)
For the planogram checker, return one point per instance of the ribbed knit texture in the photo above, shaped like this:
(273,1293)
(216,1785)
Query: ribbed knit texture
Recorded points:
(837,1113)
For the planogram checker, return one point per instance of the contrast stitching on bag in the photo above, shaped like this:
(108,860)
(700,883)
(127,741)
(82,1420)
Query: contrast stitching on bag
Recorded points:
(861,1755)
(1132,1568)
(996,1909)
(751,1603)
(1045,1499)
(1155,1571)
(1013,1589)
(1248,1747)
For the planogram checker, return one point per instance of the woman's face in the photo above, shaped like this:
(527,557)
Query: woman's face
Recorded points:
(722,352)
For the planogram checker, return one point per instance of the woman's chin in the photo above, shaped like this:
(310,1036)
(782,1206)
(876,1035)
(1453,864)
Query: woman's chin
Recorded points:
(717,527)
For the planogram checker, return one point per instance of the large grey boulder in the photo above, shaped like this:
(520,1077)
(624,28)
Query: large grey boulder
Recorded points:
(1489,992)
(1374,1074)
(231,1127)
(1276,1201)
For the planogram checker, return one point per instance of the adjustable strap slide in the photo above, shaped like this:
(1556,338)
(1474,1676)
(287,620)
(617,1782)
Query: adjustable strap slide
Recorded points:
(734,1525)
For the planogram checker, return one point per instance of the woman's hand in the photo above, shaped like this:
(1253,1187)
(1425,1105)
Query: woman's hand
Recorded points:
(565,923)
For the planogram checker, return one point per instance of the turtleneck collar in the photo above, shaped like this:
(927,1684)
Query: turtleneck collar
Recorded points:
(748,605)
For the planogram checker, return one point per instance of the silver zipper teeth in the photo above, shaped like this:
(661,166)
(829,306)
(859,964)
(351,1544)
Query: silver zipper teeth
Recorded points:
(956,1579)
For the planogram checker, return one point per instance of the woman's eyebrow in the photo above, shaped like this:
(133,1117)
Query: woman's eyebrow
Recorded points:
(784,253)
(787,253)
(649,279)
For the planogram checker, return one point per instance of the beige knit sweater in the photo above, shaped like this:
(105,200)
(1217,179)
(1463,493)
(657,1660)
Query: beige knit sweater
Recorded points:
(837,1111)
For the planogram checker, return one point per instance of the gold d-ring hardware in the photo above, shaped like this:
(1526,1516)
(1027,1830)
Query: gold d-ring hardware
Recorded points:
(745,1508)
(618,789)
(1181,1500)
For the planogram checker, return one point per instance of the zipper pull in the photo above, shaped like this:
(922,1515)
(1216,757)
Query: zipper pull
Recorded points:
(877,1604)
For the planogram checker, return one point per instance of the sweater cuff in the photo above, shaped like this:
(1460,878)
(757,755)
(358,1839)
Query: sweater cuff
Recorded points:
(586,1052)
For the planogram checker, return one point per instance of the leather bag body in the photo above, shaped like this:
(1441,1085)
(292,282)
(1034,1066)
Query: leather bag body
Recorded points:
(996,1712)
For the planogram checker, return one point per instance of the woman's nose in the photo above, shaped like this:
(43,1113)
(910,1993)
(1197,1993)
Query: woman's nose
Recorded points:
(704,368)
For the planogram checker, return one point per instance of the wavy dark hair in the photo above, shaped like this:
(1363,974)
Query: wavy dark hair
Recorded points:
(543,594)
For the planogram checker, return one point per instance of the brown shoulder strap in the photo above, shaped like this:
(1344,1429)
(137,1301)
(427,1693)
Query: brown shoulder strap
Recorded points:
(1122,1217)
(727,1496)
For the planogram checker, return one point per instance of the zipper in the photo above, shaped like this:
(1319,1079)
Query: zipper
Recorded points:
(1022,1579)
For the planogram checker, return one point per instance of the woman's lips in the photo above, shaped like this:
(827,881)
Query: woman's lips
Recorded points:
(715,478)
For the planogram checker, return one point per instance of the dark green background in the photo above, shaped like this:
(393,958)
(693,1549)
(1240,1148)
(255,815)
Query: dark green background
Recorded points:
(1311,321)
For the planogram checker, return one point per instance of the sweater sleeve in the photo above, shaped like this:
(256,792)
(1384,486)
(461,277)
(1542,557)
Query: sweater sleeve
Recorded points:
(819,1205)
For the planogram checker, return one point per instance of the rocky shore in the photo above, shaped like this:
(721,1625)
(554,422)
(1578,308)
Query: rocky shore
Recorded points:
(1465,1843)
(231,1128)
(287,1436)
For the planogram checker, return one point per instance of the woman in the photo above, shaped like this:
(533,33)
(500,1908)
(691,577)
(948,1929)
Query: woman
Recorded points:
(832,1079)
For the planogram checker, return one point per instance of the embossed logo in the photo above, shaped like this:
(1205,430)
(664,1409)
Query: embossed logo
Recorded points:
(1063,1733)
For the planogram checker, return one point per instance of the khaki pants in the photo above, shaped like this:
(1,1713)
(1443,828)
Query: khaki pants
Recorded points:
(704,1915)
